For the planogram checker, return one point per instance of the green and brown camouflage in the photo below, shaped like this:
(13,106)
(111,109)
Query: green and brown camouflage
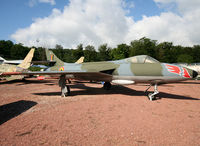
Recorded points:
(139,69)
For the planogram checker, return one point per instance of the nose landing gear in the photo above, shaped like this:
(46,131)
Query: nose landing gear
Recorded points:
(151,96)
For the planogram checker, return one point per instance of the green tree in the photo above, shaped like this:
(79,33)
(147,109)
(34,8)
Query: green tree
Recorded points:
(5,48)
(39,54)
(68,56)
(144,46)
(18,51)
(104,52)
(121,52)
(90,54)
(163,50)
(59,51)
(77,53)
(184,58)
(196,53)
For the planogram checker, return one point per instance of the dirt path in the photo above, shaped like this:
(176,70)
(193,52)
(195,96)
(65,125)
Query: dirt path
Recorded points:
(33,113)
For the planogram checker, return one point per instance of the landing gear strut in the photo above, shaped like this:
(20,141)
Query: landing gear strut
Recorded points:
(65,89)
(107,85)
(151,95)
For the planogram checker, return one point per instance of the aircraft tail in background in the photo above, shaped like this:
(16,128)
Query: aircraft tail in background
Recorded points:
(7,69)
(52,57)
(80,60)
(26,63)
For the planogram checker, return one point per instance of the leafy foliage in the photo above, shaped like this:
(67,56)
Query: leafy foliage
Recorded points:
(164,52)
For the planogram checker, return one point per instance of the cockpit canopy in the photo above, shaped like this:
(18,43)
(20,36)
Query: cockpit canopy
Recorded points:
(141,59)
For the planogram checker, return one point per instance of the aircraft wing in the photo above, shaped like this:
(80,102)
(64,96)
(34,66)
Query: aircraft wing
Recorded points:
(15,62)
(95,76)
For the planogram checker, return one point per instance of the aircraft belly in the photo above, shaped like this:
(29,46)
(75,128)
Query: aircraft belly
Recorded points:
(150,79)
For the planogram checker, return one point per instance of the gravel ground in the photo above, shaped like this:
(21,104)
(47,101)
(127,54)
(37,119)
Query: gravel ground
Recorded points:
(33,113)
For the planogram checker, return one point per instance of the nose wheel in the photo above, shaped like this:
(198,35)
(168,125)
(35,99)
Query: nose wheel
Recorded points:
(151,96)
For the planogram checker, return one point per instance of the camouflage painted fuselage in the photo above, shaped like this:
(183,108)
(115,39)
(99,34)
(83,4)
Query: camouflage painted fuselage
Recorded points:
(127,70)
(10,68)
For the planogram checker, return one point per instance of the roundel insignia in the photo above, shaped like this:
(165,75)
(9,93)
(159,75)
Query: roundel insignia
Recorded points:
(61,69)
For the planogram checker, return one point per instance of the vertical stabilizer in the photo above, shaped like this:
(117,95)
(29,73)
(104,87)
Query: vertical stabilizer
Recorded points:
(52,57)
(80,60)
(26,63)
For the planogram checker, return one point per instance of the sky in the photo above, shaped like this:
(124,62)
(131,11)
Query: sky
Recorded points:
(94,22)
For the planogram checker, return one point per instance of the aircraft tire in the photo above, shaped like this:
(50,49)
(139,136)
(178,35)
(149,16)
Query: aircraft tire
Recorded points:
(150,96)
(107,85)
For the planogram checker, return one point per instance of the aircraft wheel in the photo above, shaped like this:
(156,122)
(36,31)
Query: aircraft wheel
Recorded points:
(68,91)
(150,96)
(23,79)
(107,85)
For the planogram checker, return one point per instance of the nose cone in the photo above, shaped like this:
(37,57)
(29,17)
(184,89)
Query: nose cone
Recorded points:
(189,73)
(194,74)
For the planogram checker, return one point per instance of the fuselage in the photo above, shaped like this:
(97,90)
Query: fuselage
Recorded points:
(7,68)
(127,70)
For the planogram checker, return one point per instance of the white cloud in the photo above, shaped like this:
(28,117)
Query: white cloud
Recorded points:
(166,27)
(97,22)
(183,6)
(87,22)
(128,4)
(34,2)
(52,2)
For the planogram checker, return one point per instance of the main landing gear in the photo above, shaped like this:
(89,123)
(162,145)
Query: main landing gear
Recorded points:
(65,89)
(107,85)
(151,95)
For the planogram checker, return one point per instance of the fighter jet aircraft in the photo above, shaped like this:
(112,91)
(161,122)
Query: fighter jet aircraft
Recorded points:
(8,70)
(138,69)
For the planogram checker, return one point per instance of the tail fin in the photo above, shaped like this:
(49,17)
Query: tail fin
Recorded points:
(80,60)
(52,57)
(26,63)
